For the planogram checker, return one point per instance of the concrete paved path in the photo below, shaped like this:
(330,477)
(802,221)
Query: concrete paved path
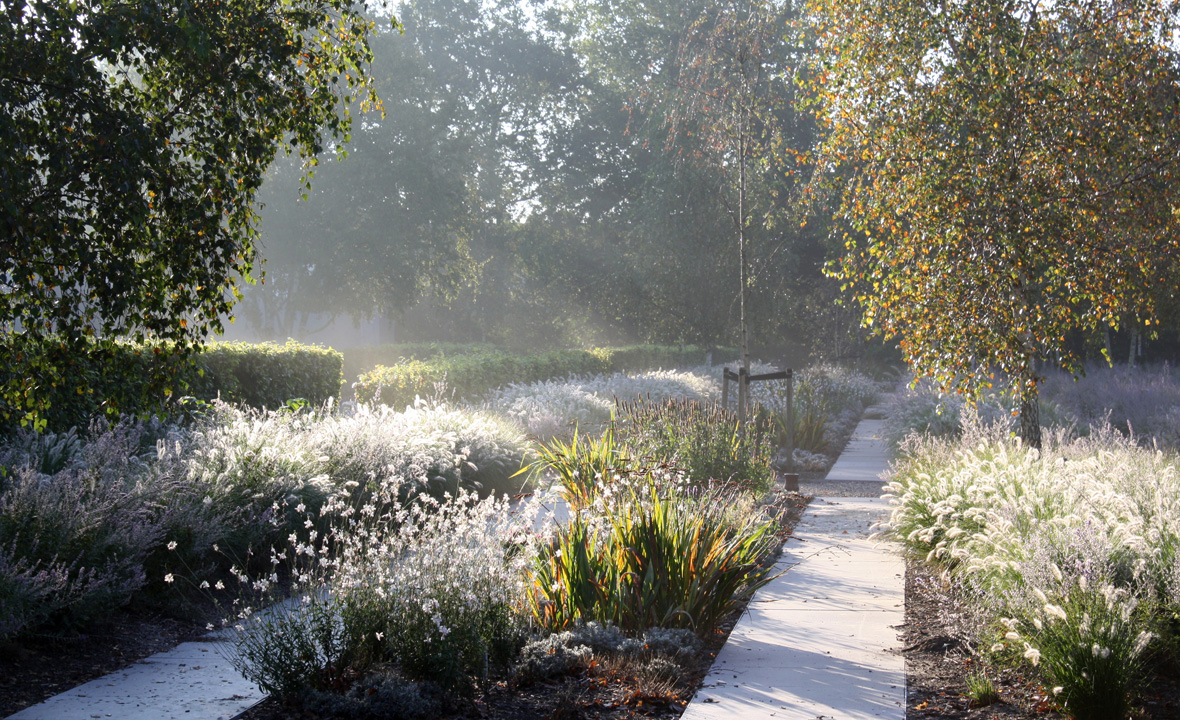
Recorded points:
(819,641)
(192,681)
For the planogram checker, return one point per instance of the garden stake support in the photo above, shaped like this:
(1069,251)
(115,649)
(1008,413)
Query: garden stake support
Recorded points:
(787,468)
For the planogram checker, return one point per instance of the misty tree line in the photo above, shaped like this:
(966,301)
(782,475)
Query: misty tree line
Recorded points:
(550,173)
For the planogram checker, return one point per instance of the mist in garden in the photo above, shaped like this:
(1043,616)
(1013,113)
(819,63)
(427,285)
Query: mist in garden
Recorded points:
(544,177)
(483,357)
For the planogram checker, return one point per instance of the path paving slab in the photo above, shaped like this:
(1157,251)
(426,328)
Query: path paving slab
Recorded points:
(190,682)
(821,641)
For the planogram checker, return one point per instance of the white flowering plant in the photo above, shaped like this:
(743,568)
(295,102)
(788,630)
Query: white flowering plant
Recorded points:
(434,587)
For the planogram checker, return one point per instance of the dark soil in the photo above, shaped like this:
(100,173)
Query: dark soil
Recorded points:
(940,657)
(38,668)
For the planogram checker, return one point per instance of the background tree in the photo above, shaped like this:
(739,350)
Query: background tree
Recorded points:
(729,108)
(1012,174)
(135,136)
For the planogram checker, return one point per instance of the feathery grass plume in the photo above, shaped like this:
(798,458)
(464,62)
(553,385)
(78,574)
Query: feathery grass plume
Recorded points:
(1078,542)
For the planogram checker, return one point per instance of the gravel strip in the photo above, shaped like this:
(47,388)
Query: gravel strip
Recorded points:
(841,488)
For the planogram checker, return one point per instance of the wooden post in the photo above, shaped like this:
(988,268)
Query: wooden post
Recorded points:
(725,388)
(743,396)
(790,421)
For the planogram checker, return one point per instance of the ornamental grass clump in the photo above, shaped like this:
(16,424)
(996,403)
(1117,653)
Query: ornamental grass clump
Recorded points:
(78,541)
(555,407)
(701,438)
(1073,548)
(433,589)
(654,555)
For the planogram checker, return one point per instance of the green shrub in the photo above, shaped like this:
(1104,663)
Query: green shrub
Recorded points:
(267,375)
(359,360)
(646,357)
(125,379)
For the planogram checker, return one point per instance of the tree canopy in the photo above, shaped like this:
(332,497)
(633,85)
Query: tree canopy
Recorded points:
(1008,172)
(134,138)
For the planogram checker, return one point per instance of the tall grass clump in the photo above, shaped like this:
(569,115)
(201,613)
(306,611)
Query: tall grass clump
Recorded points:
(703,439)
(432,590)
(82,522)
(655,555)
(553,408)
(1072,550)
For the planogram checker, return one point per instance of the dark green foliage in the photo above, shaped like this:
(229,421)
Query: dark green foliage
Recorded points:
(117,378)
(647,357)
(701,438)
(133,138)
(266,375)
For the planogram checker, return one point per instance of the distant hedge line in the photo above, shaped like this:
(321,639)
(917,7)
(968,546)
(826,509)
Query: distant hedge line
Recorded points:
(481,370)
(258,375)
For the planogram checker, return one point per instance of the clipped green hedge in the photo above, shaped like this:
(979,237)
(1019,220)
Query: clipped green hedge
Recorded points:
(120,377)
(646,357)
(267,374)
(475,373)
(358,360)
(470,375)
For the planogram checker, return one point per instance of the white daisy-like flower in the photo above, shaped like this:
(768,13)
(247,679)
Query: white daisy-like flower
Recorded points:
(168,578)
(172,545)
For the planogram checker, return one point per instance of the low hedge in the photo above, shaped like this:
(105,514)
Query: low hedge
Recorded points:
(267,374)
(470,375)
(358,360)
(127,377)
(475,373)
(631,358)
